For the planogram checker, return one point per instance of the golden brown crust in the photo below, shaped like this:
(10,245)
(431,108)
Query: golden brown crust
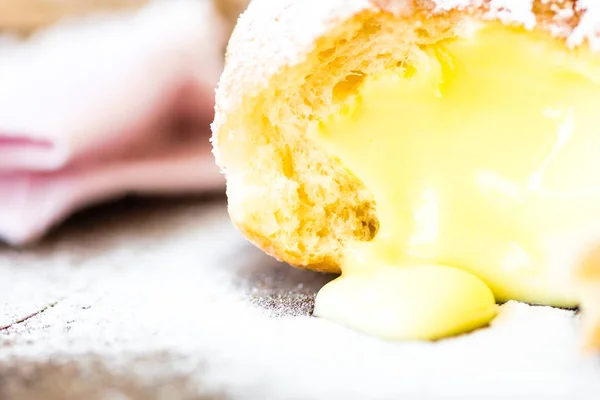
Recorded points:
(282,253)
(560,18)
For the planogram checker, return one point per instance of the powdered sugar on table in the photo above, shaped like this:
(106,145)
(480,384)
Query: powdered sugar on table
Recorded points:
(163,300)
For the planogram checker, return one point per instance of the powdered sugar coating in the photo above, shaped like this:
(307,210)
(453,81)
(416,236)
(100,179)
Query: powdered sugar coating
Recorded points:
(589,26)
(155,293)
(509,11)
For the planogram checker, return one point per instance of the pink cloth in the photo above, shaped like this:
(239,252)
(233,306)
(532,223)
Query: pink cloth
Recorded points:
(91,110)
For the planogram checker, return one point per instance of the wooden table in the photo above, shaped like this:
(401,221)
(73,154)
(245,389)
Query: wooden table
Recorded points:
(165,300)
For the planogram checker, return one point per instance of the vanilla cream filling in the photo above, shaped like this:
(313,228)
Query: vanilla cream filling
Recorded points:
(483,160)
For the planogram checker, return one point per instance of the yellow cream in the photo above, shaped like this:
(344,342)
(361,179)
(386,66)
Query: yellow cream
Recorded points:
(404,303)
(484,158)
